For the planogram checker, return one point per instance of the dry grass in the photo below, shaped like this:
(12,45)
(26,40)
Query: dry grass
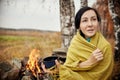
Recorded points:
(19,44)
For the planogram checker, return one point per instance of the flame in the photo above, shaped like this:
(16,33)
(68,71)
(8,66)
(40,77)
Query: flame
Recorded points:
(33,62)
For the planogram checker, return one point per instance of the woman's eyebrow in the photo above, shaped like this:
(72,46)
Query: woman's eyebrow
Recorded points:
(94,16)
(84,18)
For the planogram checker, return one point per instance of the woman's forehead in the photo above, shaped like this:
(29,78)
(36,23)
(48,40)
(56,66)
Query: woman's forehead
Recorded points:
(89,13)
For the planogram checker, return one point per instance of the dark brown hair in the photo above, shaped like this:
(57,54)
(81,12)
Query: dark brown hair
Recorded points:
(80,13)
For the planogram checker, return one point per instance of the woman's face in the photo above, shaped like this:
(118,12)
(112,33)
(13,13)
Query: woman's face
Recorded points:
(89,23)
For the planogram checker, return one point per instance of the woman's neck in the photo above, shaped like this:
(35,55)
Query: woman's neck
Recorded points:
(88,39)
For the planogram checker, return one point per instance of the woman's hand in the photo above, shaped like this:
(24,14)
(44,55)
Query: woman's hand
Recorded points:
(95,57)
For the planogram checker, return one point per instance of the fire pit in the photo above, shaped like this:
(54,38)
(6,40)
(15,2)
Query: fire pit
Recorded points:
(31,68)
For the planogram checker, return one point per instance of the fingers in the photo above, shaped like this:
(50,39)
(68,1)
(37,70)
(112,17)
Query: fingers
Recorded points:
(98,54)
(45,70)
(97,51)
(43,67)
(98,57)
(57,63)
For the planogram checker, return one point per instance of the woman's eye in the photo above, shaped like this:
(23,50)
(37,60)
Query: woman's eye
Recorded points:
(94,19)
(84,20)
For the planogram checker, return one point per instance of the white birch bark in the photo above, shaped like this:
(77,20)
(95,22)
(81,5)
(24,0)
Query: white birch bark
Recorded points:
(67,13)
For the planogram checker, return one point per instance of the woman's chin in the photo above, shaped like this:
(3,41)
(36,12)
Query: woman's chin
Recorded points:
(90,35)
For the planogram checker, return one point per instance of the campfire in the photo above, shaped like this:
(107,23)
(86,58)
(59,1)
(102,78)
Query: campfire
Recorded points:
(31,67)
(33,64)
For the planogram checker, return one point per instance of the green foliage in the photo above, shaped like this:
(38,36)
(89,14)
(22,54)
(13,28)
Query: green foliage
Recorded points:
(14,38)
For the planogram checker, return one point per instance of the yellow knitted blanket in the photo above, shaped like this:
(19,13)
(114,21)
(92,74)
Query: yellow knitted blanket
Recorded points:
(80,50)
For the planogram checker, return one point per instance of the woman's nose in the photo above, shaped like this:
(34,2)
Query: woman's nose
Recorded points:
(89,23)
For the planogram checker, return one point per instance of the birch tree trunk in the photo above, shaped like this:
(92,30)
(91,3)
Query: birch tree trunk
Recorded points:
(67,13)
(84,3)
(116,20)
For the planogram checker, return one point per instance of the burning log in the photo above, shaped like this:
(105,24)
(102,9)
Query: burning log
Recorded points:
(32,64)
(31,68)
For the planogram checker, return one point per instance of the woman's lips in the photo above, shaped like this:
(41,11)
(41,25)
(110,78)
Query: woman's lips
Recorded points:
(90,30)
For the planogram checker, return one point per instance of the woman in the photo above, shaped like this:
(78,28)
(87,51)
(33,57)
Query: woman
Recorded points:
(89,55)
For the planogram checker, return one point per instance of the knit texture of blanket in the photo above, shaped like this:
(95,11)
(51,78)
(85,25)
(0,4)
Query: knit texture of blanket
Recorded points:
(79,51)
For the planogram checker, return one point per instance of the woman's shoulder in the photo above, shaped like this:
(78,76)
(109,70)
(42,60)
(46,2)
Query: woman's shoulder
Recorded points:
(104,42)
